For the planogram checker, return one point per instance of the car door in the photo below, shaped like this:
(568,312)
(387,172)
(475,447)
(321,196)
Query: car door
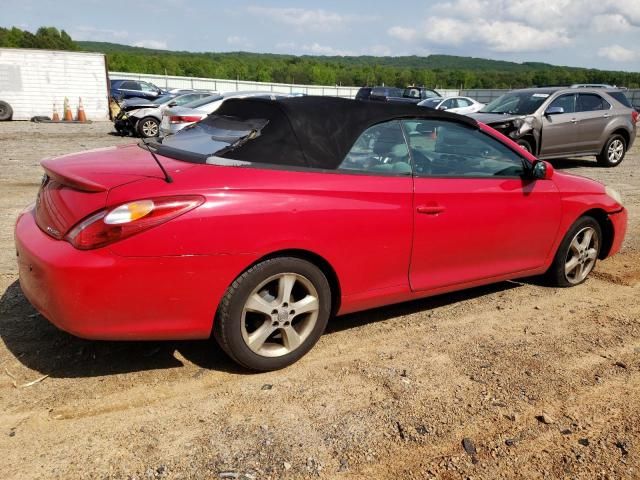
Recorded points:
(477,213)
(375,187)
(559,133)
(593,114)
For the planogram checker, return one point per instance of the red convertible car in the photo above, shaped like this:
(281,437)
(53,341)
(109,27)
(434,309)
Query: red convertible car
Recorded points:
(267,218)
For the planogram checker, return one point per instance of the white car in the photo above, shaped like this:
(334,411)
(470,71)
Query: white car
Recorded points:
(462,105)
(176,118)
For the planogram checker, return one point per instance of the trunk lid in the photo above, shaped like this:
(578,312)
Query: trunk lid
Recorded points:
(77,185)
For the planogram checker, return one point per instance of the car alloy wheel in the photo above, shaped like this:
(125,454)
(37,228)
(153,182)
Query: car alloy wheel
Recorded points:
(149,128)
(273,313)
(615,152)
(280,314)
(582,255)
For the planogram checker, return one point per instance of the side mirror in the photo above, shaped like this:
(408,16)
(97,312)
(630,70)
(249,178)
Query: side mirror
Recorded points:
(554,111)
(442,107)
(542,170)
(172,104)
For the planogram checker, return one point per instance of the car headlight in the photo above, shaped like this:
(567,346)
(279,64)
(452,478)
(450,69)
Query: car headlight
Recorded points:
(613,194)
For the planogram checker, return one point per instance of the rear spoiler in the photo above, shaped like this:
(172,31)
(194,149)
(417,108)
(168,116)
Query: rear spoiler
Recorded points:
(75,182)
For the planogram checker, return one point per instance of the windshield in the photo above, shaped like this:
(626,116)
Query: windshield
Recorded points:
(163,99)
(202,101)
(430,102)
(516,103)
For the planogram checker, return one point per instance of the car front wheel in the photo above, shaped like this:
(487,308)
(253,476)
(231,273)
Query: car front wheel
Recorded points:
(273,313)
(148,127)
(613,151)
(577,255)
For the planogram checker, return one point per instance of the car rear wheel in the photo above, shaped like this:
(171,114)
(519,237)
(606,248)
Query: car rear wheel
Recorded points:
(6,112)
(613,151)
(273,313)
(148,127)
(577,255)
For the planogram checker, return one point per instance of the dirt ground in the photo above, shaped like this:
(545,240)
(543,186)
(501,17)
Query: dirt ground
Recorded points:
(541,382)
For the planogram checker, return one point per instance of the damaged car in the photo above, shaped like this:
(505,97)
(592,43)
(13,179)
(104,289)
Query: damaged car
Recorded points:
(143,119)
(565,122)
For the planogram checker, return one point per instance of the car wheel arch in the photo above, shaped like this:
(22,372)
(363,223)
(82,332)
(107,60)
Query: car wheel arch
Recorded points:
(623,133)
(317,260)
(600,216)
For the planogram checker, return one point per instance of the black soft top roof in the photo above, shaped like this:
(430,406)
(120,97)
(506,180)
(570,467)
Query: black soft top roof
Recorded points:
(315,131)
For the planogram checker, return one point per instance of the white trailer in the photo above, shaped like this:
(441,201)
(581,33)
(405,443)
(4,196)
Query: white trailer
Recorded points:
(31,81)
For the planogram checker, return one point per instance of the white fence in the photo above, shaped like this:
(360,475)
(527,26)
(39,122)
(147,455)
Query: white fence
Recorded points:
(222,86)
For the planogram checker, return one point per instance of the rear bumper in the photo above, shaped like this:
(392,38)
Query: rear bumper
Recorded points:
(100,295)
(619,223)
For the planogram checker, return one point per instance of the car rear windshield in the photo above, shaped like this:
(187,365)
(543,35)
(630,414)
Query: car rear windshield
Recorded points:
(218,135)
(202,101)
(621,97)
(517,103)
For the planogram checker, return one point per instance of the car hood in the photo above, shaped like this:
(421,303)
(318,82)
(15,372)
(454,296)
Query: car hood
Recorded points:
(493,118)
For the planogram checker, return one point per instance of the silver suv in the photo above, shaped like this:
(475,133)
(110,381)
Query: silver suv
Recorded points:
(566,121)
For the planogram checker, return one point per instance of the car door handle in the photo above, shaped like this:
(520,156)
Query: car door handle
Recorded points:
(430,209)
(574,120)
(606,115)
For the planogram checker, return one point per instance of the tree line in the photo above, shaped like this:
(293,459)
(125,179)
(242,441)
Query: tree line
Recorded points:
(443,71)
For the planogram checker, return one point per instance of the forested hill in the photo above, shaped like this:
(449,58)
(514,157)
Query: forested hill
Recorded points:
(444,71)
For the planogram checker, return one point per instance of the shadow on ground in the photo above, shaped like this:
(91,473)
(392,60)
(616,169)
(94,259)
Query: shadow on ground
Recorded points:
(569,163)
(40,346)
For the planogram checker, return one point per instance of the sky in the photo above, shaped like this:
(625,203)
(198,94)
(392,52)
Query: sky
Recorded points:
(601,34)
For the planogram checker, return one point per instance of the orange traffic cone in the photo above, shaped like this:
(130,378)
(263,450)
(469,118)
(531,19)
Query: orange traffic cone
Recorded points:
(81,115)
(68,116)
(55,117)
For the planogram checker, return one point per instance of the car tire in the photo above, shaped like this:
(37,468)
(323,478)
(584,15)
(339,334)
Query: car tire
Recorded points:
(6,112)
(577,255)
(613,151)
(525,145)
(148,127)
(257,324)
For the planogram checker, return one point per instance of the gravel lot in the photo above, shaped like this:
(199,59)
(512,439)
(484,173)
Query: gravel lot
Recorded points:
(542,382)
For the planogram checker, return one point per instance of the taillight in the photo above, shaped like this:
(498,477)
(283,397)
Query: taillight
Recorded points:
(634,116)
(117,223)
(184,118)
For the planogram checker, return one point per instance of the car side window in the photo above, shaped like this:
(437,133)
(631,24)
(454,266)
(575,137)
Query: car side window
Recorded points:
(146,87)
(566,102)
(130,86)
(590,102)
(448,149)
(379,149)
(449,103)
(463,102)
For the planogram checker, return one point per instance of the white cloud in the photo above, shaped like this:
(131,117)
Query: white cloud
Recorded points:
(498,36)
(617,53)
(240,42)
(405,34)
(157,44)
(317,49)
(611,22)
(302,19)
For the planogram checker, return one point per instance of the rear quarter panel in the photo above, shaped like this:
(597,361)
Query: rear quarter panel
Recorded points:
(362,225)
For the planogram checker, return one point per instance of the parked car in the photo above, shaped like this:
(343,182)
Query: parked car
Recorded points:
(121,89)
(144,119)
(394,94)
(566,122)
(176,118)
(418,94)
(462,105)
(280,223)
